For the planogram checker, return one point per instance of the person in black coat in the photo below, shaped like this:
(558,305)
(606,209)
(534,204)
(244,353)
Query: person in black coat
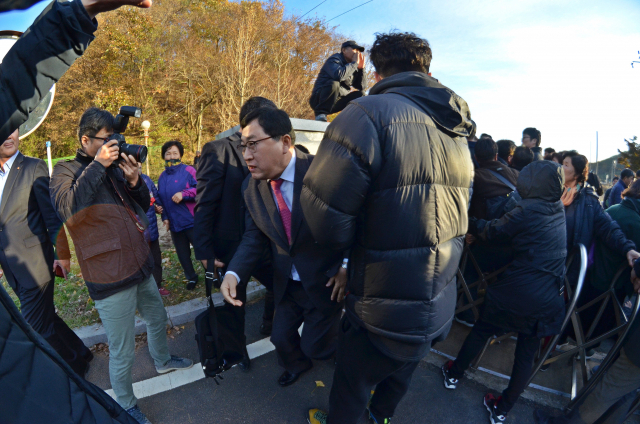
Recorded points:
(219,215)
(391,181)
(59,36)
(528,297)
(308,280)
(332,89)
(29,231)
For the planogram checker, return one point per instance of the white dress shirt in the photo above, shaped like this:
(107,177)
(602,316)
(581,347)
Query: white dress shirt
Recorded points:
(288,177)
(4,172)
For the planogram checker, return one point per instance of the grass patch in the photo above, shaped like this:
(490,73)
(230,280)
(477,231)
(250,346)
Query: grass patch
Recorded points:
(77,309)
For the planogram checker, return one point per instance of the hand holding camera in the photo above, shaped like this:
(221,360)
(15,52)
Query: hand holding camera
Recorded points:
(108,153)
(129,167)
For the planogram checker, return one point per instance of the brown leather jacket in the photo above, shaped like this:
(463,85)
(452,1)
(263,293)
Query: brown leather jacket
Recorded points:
(107,233)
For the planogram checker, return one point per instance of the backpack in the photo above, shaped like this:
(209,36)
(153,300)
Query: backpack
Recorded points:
(220,340)
(498,206)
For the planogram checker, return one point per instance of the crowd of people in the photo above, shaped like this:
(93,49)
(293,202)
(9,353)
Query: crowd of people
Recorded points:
(360,242)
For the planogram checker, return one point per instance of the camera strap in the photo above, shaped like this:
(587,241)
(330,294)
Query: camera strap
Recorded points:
(135,218)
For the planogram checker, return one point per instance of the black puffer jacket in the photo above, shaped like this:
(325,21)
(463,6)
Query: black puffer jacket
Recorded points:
(391,181)
(527,298)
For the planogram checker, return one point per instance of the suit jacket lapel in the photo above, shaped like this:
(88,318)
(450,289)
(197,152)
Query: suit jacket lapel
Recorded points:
(272,210)
(302,165)
(13,175)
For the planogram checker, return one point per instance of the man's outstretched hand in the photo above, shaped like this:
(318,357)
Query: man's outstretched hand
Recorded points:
(93,7)
(228,289)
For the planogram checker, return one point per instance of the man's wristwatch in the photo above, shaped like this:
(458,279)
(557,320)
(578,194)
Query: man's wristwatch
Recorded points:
(345,263)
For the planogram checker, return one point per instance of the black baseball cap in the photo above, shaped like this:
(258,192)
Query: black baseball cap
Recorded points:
(353,45)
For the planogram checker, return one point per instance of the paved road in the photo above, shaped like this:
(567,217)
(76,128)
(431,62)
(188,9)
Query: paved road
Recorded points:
(255,397)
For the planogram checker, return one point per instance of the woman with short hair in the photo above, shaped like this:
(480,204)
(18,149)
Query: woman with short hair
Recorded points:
(177,191)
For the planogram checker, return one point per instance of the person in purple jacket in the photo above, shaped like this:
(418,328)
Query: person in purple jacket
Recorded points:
(177,194)
(151,234)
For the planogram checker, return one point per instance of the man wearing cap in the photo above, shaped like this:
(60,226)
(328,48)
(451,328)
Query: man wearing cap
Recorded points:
(341,72)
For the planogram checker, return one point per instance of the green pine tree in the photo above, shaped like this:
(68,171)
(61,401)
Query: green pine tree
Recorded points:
(631,158)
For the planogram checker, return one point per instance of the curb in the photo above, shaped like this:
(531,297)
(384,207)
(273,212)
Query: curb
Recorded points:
(178,314)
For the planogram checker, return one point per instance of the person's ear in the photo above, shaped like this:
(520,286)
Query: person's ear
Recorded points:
(84,141)
(377,76)
(286,143)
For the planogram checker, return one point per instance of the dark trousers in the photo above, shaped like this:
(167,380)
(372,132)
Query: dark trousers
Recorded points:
(327,100)
(182,240)
(264,274)
(526,349)
(39,311)
(361,367)
(319,334)
(157,261)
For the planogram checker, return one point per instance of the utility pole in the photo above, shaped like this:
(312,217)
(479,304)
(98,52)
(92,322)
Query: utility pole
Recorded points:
(596,152)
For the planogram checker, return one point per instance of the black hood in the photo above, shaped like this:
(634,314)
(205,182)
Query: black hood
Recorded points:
(448,110)
(542,180)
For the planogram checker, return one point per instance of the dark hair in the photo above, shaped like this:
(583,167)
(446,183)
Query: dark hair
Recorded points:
(557,156)
(486,150)
(522,157)
(485,135)
(302,148)
(626,173)
(169,144)
(92,121)
(615,178)
(505,149)
(638,174)
(274,122)
(633,190)
(400,52)
(594,182)
(255,103)
(580,164)
(534,134)
(549,150)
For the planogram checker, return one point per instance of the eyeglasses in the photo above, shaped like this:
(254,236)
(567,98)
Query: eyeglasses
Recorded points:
(105,139)
(252,145)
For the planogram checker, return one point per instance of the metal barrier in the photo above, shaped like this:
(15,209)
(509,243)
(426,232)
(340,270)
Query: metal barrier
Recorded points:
(623,326)
(464,289)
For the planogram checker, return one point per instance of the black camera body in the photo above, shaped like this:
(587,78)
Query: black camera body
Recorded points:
(139,152)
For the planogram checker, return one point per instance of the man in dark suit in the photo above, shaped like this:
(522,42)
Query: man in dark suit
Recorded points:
(309,280)
(219,215)
(29,230)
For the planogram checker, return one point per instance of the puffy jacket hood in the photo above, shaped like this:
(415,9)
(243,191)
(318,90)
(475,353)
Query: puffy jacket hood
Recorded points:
(542,180)
(446,108)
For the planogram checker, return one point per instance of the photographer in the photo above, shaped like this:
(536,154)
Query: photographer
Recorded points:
(102,199)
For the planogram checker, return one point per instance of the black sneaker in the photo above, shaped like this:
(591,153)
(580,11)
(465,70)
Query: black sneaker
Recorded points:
(491,403)
(449,382)
(191,284)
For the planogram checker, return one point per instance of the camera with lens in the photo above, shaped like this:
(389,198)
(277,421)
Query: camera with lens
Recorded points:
(138,152)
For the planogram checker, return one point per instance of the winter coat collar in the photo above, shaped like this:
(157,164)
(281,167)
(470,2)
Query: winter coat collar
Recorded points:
(631,203)
(448,110)
(83,158)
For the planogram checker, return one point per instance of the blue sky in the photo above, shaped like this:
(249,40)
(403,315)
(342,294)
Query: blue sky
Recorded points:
(561,66)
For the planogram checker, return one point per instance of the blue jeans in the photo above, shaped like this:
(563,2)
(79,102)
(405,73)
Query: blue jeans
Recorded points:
(117,313)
